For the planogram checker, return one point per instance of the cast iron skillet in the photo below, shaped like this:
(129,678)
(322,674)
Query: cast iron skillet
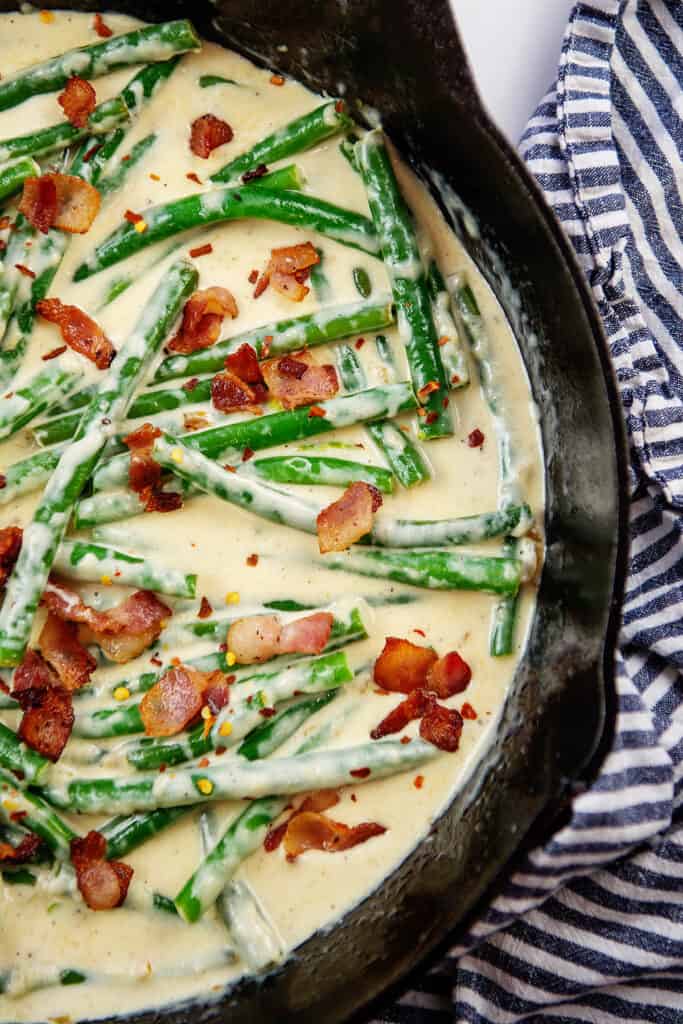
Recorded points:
(404,58)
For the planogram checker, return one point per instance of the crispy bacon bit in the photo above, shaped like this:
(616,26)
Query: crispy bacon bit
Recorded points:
(217,691)
(245,365)
(442,726)
(255,639)
(316,802)
(201,250)
(173,702)
(102,30)
(349,518)
(252,560)
(194,177)
(59,646)
(103,884)
(403,666)
(53,353)
(47,721)
(144,475)
(467,711)
(164,501)
(293,386)
(414,706)
(33,673)
(208,133)
(229,393)
(77,101)
(26,271)
(10,546)
(205,609)
(13,856)
(307,635)
(254,174)
(123,631)
(311,831)
(39,202)
(288,268)
(448,675)
(475,438)
(62,201)
(79,331)
(274,837)
(202,318)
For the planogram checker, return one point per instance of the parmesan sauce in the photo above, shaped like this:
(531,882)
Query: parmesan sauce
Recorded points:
(135,957)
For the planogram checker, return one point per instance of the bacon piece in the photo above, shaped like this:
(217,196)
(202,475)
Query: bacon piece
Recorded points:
(10,546)
(449,675)
(311,831)
(349,518)
(245,365)
(442,726)
(164,501)
(39,202)
(13,856)
(293,386)
(59,645)
(316,802)
(144,474)
(78,101)
(203,315)
(254,639)
(47,721)
(173,702)
(217,690)
(208,133)
(33,673)
(79,331)
(229,393)
(308,635)
(123,631)
(287,270)
(403,666)
(103,884)
(414,706)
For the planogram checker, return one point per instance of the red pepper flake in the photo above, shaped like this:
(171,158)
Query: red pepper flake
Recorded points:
(444,402)
(420,412)
(24,270)
(204,763)
(247,454)
(421,632)
(475,438)
(418,781)
(205,609)
(17,816)
(176,661)
(252,560)
(340,106)
(257,172)
(360,773)
(103,31)
(316,412)
(156,660)
(277,80)
(162,768)
(4,223)
(220,751)
(3,481)
(428,389)
(54,353)
(467,711)
(455,379)
(431,417)
(360,342)
(155,177)
(406,739)
(201,250)
(265,347)
(267,712)
(190,384)
(253,277)
(3,245)
(354,797)
(47,17)
(125,159)
(87,157)
(444,339)
(230,469)
(194,177)
(133,218)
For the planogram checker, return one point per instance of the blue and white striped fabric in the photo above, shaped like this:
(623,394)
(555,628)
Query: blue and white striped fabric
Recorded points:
(591,927)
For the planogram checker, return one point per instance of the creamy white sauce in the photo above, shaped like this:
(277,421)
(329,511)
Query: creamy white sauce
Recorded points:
(139,957)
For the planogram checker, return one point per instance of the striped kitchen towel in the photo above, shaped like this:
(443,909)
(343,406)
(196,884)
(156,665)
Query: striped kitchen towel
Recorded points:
(591,927)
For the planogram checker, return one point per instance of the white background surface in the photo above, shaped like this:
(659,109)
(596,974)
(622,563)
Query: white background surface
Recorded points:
(514,48)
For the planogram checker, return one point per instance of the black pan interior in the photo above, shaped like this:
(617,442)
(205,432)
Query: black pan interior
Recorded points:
(404,58)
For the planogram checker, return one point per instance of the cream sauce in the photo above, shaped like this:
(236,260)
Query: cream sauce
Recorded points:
(143,957)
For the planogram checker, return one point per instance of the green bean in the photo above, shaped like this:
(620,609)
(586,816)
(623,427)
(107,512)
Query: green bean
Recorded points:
(277,339)
(126,833)
(301,134)
(318,469)
(58,136)
(408,464)
(13,175)
(451,348)
(83,560)
(362,281)
(46,387)
(143,45)
(423,533)
(36,815)
(266,738)
(17,757)
(504,615)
